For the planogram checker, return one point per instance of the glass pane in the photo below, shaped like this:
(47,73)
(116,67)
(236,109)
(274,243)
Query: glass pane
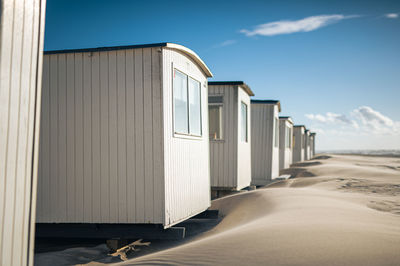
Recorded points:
(194,107)
(215,121)
(180,103)
(244,122)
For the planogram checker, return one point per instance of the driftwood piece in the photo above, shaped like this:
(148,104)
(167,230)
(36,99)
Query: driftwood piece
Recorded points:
(122,252)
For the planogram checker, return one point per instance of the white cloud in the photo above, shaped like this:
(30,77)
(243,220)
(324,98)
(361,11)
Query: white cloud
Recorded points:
(225,43)
(363,120)
(375,121)
(332,118)
(392,15)
(292,26)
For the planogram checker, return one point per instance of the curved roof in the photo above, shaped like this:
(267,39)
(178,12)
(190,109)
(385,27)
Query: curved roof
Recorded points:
(192,55)
(234,83)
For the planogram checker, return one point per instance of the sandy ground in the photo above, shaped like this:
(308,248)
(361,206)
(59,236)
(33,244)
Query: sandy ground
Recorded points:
(337,210)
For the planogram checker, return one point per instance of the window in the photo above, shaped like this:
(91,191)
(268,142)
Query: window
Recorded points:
(243,121)
(187,104)
(288,140)
(194,107)
(276,144)
(215,105)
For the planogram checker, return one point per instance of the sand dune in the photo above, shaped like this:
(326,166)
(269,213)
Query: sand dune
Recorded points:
(338,210)
(347,214)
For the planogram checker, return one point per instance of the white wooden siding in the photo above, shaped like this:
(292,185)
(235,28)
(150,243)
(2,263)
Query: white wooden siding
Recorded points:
(230,161)
(101,149)
(307,145)
(223,153)
(285,153)
(275,149)
(243,148)
(298,148)
(265,157)
(186,160)
(21,46)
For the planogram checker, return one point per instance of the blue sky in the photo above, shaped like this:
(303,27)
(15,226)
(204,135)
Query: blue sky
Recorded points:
(334,65)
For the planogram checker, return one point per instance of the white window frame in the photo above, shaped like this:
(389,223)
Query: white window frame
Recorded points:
(188,135)
(276,131)
(221,121)
(247,122)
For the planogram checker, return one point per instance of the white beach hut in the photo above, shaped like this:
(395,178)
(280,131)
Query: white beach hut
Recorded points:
(299,143)
(285,142)
(265,141)
(21,49)
(307,154)
(312,144)
(230,138)
(124,136)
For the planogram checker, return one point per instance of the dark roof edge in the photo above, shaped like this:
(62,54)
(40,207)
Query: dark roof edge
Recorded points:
(300,126)
(106,48)
(268,102)
(233,83)
(287,118)
(189,53)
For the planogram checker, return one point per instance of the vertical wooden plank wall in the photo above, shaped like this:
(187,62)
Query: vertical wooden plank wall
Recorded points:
(223,153)
(285,153)
(21,46)
(243,148)
(262,123)
(275,149)
(283,124)
(186,160)
(298,150)
(102,117)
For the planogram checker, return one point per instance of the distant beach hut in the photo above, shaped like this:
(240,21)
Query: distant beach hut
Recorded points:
(230,134)
(124,136)
(265,141)
(299,143)
(312,144)
(307,154)
(285,142)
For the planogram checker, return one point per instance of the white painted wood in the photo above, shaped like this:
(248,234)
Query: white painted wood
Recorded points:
(264,152)
(21,46)
(312,144)
(285,148)
(230,158)
(244,148)
(307,145)
(186,160)
(129,167)
(298,141)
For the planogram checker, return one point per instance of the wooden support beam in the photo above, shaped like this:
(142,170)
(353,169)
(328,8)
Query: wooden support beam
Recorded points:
(109,231)
(207,214)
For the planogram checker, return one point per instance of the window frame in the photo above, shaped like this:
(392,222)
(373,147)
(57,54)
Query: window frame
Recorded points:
(188,135)
(247,122)
(221,121)
(276,129)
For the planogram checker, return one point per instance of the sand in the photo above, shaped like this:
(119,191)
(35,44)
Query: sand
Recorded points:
(338,210)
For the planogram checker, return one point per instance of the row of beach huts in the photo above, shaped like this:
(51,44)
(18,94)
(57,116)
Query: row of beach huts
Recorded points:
(132,135)
(138,135)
